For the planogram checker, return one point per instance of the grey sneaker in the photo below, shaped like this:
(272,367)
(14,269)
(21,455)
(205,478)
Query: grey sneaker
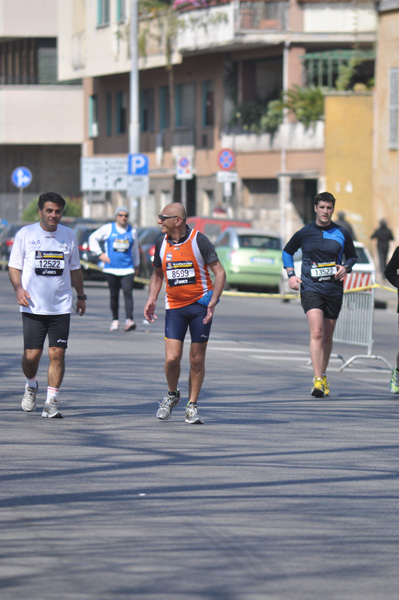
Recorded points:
(29,398)
(166,406)
(192,415)
(51,409)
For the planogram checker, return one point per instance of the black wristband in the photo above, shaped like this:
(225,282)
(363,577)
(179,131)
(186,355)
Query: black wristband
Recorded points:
(291,274)
(84,297)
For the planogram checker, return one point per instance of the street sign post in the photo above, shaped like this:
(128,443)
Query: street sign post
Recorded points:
(138,164)
(226,159)
(21,177)
(138,186)
(226,162)
(226,177)
(184,171)
(102,174)
(184,167)
(109,173)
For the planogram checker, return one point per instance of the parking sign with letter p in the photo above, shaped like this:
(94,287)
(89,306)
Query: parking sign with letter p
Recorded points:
(137,164)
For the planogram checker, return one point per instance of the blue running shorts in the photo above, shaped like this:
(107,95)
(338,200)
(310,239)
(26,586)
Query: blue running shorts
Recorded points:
(178,320)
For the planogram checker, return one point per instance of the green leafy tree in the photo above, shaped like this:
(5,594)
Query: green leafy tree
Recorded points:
(258,118)
(306,104)
(346,72)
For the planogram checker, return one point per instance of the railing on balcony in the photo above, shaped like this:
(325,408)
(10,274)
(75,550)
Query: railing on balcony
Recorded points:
(168,140)
(263,15)
(178,138)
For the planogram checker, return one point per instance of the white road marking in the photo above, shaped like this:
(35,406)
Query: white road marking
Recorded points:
(269,354)
(260,350)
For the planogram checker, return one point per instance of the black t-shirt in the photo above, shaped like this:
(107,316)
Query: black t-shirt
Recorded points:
(321,246)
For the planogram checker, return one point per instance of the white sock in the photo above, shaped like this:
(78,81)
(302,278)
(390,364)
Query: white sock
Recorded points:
(52,393)
(32,383)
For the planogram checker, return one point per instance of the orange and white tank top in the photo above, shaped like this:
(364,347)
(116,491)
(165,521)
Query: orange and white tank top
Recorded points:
(186,274)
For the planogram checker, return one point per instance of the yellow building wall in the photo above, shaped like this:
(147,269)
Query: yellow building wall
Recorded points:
(386,161)
(348,158)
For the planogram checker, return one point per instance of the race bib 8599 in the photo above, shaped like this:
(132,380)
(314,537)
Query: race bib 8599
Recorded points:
(180,273)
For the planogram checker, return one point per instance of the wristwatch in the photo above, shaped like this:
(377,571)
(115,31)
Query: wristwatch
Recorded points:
(84,297)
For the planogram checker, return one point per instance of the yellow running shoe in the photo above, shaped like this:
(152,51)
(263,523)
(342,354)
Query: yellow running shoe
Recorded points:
(393,384)
(318,387)
(326,385)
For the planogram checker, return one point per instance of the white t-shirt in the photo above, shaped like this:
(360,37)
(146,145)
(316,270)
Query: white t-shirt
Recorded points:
(46,259)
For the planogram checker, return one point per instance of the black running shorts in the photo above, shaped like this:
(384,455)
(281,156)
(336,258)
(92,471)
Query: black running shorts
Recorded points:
(37,327)
(330,305)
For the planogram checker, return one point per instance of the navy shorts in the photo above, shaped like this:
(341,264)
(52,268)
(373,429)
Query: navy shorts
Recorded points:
(330,305)
(178,320)
(36,327)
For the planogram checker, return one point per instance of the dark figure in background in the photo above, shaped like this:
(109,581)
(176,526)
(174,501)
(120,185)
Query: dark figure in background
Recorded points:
(342,222)
(383,235)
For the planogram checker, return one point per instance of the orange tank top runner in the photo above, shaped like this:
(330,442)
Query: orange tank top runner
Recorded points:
(186,274)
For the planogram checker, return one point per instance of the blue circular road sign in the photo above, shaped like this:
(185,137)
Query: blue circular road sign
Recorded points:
(21,177)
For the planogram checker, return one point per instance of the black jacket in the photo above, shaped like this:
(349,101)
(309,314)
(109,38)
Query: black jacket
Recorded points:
(391,272)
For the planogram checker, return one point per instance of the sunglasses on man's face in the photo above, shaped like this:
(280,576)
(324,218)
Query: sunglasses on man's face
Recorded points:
(162,218)
(124,216)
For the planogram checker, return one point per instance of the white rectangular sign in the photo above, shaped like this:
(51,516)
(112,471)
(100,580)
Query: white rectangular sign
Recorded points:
(105,173)
(138,185)
(226,177)
(184,167)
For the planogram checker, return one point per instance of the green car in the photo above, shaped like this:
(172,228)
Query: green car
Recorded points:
(251,257)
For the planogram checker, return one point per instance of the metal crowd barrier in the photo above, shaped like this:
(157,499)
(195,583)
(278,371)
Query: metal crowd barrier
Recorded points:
(355,325)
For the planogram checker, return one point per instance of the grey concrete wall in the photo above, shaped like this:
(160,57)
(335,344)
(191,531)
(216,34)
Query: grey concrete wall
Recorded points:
(53,167)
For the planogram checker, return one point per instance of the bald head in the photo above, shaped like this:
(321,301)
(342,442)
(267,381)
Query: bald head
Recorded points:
(175,208)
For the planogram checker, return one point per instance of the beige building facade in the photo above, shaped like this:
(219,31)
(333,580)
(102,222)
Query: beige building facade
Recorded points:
(386,141)
(229,56)
(41,120)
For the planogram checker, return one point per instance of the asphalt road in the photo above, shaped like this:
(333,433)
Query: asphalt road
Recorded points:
(277,496)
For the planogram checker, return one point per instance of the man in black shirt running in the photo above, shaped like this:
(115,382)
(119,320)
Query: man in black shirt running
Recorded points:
(328,255)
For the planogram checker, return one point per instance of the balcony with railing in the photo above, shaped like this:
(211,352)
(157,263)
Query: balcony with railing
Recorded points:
(288,136)
(178,141)
(262,16)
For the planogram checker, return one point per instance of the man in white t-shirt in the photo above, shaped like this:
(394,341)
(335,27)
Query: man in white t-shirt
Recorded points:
(43,266)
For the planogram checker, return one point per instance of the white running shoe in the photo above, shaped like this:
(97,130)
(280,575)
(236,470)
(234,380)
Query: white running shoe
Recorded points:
(167,404)
(51,409)
(29,398)
(192,415)
(114,325)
